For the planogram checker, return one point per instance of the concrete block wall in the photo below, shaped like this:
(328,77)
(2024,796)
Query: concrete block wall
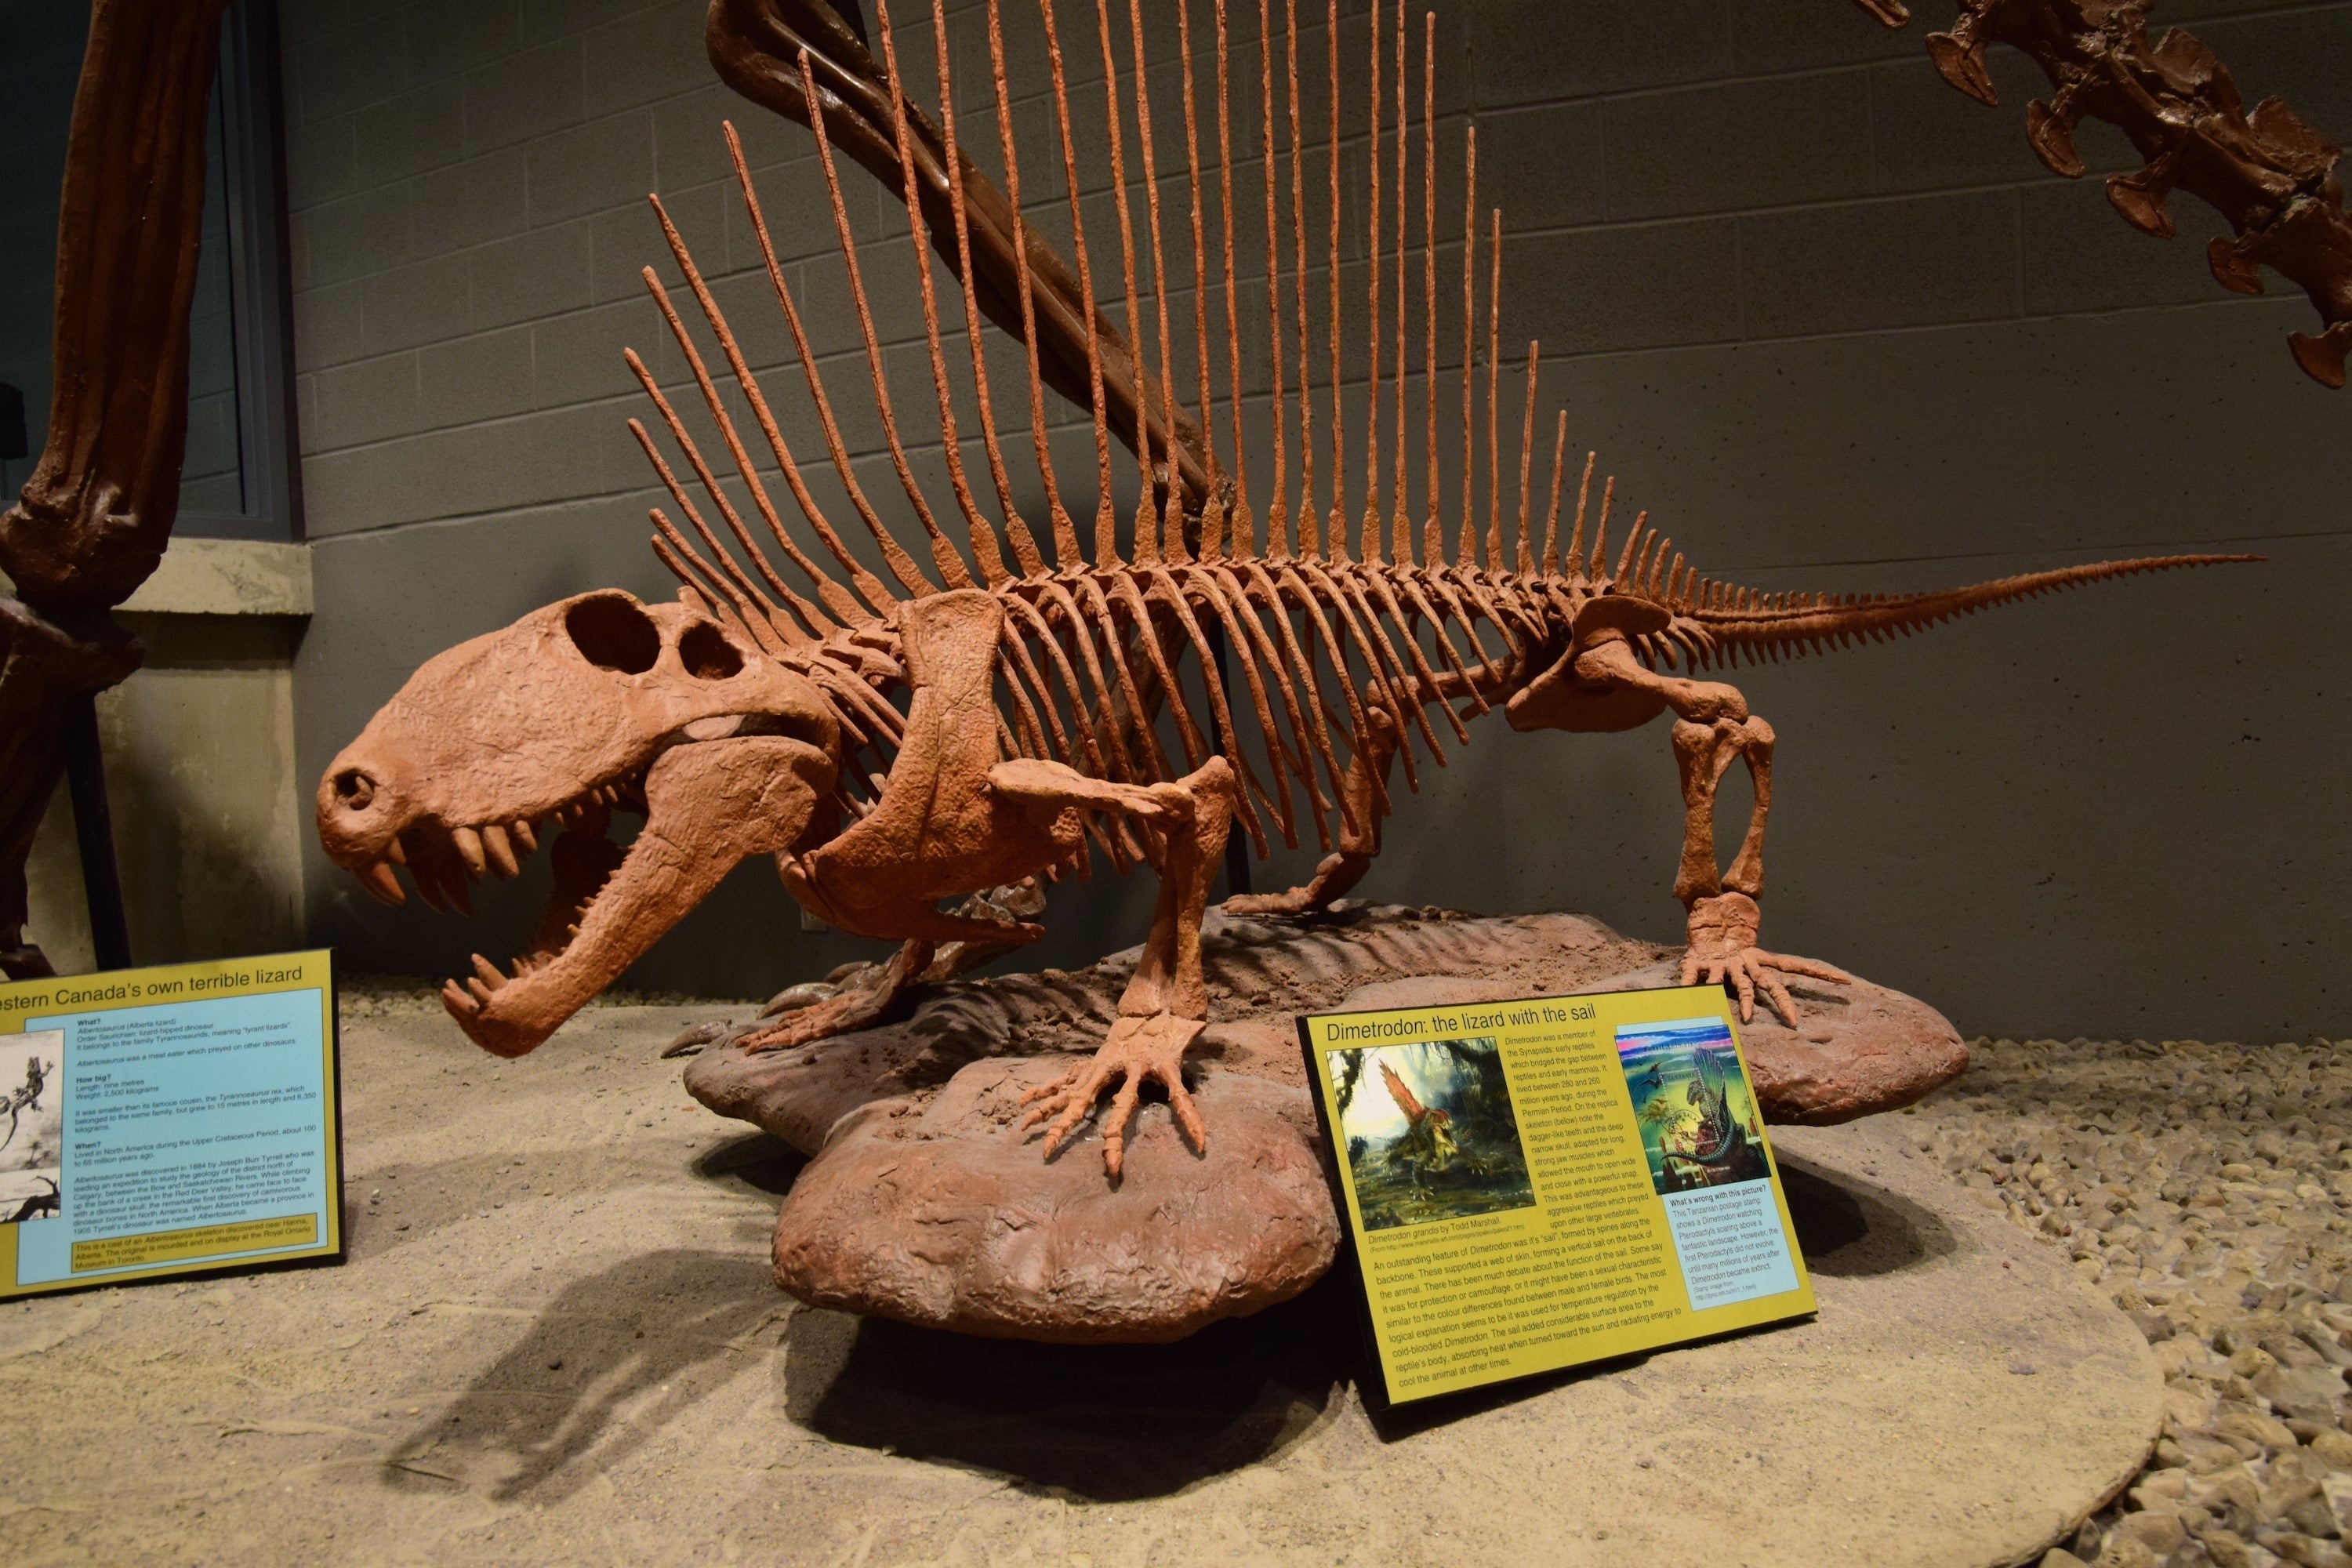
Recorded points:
(1828,319)
(199,752)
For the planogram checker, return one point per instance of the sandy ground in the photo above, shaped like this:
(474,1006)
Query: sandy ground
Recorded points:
(556,1341)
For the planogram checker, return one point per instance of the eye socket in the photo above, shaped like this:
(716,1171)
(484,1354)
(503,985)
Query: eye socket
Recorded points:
(610,632)
(706,654)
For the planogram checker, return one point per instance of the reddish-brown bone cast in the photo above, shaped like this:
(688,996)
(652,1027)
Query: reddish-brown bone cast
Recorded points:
(92,522)
(897,747)
(2265,170)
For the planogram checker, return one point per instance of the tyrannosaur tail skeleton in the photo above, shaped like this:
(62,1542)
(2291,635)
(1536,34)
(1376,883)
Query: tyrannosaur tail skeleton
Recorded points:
(898,735)
(2267,171)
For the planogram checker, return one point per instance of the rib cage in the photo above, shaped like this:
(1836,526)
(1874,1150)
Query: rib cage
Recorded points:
(1346,644)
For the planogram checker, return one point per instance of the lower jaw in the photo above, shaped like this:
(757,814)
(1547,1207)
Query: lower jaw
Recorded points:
(504,1028)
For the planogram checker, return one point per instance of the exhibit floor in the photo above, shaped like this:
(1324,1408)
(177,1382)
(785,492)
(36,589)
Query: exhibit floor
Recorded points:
(556,1341)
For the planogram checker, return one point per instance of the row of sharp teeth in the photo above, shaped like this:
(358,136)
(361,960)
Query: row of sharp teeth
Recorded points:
(491,847)
(487,979)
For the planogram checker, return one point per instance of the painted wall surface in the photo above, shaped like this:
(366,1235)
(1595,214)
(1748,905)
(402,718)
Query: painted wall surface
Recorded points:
(209,834)
(1828,320)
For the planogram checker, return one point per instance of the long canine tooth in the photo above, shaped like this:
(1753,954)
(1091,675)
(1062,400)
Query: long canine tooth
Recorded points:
(470,848)
(489,972)
(526,835)
(382,885)
(501,853)
(454,887)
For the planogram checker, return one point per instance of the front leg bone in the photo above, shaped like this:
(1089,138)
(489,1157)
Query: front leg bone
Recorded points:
(1166,1004)
(857,1007)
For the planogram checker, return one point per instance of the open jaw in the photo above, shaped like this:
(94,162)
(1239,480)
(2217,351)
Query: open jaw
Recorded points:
(707,797)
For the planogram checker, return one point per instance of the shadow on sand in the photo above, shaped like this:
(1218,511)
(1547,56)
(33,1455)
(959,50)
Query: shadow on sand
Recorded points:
(1096,1422)
(1112,1423)
(1092,1423)
(1851,1228)
(661,1323)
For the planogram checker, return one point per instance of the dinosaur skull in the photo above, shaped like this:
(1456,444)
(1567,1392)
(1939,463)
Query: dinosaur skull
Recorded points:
(592,705)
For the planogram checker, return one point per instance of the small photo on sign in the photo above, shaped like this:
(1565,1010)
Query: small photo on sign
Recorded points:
(32,1124)
(1699,1126)
(1429,1131)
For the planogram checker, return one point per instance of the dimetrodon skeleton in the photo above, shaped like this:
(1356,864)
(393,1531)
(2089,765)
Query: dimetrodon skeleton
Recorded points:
(1224,655)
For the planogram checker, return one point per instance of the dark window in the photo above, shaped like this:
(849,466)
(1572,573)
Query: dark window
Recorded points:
(238,482)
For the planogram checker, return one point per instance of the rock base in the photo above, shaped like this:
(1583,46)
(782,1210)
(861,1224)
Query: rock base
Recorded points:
(923,1202)
(950,1215)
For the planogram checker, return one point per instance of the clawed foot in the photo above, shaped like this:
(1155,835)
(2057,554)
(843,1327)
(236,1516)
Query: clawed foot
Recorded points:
(1296,902)
(1723,952)
(1337,874)
(1139,1050)
(866,998)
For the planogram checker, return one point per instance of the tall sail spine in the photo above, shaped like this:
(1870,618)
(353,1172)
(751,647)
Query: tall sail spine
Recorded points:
(1257,615)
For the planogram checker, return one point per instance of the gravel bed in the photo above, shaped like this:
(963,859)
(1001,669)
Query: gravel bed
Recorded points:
(2206,1187)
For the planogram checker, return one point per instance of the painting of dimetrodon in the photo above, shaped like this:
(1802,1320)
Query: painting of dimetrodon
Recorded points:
(1697,1116)
(1429,1131)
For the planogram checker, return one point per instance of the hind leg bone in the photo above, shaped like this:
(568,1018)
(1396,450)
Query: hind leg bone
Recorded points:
(1713,728)
(1723,913)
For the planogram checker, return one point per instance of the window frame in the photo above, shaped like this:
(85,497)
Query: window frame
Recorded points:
(261,303)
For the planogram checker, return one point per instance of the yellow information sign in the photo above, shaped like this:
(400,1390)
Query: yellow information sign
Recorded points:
(1536,1183)
(159,1122)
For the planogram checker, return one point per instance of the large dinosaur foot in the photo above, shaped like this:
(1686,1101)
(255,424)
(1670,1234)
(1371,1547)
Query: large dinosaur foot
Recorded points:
(1139,1050)
(1337,874)
(1723,952)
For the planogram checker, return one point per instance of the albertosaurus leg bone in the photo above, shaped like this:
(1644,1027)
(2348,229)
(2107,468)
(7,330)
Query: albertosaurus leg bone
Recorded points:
(1167,1002)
